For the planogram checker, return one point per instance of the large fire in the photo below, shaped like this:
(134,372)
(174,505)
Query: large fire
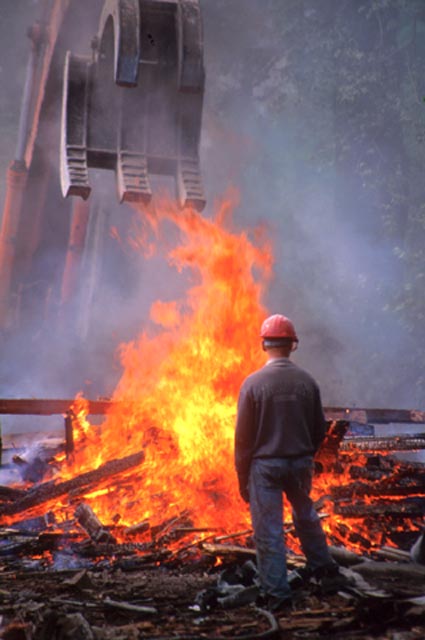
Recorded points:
(178,390)
(176,398)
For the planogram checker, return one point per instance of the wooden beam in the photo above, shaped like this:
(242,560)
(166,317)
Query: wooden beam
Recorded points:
(46,407)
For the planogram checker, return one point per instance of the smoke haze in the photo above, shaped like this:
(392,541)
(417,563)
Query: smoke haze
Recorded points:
(296,120)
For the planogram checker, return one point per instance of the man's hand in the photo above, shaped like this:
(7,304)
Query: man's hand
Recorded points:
(243,490)
(244,494)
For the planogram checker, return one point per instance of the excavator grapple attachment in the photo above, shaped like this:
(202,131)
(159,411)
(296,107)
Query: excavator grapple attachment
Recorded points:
(135,106)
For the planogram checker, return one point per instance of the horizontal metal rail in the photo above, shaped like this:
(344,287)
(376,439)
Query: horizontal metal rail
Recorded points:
(46,407)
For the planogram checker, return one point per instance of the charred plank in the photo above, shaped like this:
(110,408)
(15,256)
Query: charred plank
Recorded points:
(402,509)
(406,487)
(9,494)
(49,490)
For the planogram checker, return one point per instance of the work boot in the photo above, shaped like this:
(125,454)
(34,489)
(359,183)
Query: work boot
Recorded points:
(246,595)
(330,579)
(300,577)
(280,606)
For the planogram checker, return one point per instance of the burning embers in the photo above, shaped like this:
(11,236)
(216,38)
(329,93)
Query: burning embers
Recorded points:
(374,499)
(157,476)
(369,502)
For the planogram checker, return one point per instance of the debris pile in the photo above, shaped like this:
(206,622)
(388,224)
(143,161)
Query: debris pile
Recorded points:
(81,578)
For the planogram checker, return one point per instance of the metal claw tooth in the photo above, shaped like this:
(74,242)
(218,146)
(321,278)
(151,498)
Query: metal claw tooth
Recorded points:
(74,164)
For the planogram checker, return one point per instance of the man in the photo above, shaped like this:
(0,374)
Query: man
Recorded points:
(280,426)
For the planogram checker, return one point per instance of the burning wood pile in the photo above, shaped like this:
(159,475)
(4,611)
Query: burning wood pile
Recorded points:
(135,528)
(67,572)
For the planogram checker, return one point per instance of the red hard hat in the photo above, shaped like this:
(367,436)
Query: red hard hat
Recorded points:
(278,326)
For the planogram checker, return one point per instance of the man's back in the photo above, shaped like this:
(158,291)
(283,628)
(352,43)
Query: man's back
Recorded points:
(280,412)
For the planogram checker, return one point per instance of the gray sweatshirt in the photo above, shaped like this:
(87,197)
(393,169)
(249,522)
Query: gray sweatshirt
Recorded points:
(280,415)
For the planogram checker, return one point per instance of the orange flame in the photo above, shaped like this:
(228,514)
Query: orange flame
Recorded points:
(178,391)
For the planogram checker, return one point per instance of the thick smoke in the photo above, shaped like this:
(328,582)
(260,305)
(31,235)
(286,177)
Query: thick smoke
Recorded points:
(315,148)
(314,163)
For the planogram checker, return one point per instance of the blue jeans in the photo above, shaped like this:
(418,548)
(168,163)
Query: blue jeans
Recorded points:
(269,477)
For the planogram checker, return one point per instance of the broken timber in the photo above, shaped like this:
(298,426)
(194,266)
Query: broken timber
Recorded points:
(49,490)
(92,525)
(382,489)
(400,509)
